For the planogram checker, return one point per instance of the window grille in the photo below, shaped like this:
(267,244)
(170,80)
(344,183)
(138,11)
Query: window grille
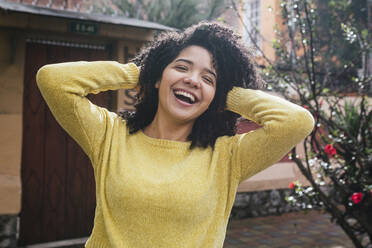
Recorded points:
(66,43)
(252,22)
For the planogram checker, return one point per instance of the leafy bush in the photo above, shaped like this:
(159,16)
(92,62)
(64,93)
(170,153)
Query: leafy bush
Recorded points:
(322,63)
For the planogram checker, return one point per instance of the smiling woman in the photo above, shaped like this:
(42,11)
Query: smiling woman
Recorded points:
(224,61)
(167,175)
(186,89)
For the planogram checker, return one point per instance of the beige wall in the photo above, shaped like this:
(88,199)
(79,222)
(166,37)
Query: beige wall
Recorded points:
(270,16)
(11,94)
(268,20)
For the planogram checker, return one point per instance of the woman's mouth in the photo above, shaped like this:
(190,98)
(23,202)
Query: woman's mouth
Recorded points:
(185,96)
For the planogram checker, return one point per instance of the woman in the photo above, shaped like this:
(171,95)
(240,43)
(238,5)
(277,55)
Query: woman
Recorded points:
(168,175)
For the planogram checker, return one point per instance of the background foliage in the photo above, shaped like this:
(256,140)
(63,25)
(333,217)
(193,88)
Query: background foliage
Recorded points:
(322,63)
(174,13)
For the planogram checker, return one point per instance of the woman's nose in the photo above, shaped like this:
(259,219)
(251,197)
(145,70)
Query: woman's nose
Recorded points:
(193,81)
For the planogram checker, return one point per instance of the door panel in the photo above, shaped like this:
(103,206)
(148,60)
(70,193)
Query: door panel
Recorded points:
(58,189)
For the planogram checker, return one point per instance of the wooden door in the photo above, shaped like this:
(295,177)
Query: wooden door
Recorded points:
(58,189)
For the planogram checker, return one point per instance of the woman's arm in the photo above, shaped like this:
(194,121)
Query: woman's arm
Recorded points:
(284,124)
(64,87)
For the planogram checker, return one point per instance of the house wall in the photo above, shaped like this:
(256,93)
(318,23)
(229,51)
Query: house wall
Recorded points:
(269,17)
(11,94)
(15,28)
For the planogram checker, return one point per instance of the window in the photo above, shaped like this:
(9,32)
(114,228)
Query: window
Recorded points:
(252,22)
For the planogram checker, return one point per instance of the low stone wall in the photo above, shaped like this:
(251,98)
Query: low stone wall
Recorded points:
(8,230)
(261,203)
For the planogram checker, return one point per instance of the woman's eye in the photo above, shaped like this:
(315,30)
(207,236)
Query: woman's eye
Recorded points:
(208,80)
(181,68)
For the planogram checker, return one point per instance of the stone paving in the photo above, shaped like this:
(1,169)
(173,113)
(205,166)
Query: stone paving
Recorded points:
(292,230)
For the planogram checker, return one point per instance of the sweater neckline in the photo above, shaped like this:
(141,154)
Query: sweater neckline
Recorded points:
(164,142)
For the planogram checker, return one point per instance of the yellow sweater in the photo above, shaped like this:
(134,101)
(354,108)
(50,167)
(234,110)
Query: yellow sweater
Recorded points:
(159,193)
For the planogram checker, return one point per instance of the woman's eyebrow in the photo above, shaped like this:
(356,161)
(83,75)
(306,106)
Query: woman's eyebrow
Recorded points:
(191,63)
(185,60)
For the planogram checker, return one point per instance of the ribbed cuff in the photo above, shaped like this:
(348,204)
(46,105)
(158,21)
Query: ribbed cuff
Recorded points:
(234,99)
(133,73)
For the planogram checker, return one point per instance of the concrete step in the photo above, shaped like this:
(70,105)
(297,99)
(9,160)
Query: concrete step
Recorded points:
(70,243)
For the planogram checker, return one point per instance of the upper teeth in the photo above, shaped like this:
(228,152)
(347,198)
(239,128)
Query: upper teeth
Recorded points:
(185,94)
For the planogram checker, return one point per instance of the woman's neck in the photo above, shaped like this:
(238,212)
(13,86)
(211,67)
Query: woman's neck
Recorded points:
(160,129)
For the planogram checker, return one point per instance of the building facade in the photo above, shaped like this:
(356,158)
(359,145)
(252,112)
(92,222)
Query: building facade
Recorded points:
(46,181)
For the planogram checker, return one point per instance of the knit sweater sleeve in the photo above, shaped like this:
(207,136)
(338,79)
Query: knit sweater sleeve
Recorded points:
(284,124)
(65,86)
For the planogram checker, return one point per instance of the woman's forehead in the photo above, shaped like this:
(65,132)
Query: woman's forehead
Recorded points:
(196,55)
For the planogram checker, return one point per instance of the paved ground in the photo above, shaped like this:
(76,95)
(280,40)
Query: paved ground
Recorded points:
(293,230)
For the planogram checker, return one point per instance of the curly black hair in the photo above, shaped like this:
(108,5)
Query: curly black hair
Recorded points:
(232,61)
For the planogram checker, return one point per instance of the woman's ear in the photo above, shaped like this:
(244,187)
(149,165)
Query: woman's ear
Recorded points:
(157,84)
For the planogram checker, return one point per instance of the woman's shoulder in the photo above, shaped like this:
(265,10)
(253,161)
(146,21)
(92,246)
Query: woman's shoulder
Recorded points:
(112,118)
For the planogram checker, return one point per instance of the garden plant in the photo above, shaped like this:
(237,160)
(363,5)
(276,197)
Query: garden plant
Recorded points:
(323,62)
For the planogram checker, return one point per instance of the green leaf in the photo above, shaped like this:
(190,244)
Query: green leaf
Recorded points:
(364,34)
(325,90)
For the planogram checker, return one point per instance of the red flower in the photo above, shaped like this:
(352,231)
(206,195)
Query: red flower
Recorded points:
(306,107)
(320,103)
(330,150)
(292,185)
(357,197)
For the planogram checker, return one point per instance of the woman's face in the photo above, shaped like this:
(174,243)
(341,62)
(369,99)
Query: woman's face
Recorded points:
(187,86)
